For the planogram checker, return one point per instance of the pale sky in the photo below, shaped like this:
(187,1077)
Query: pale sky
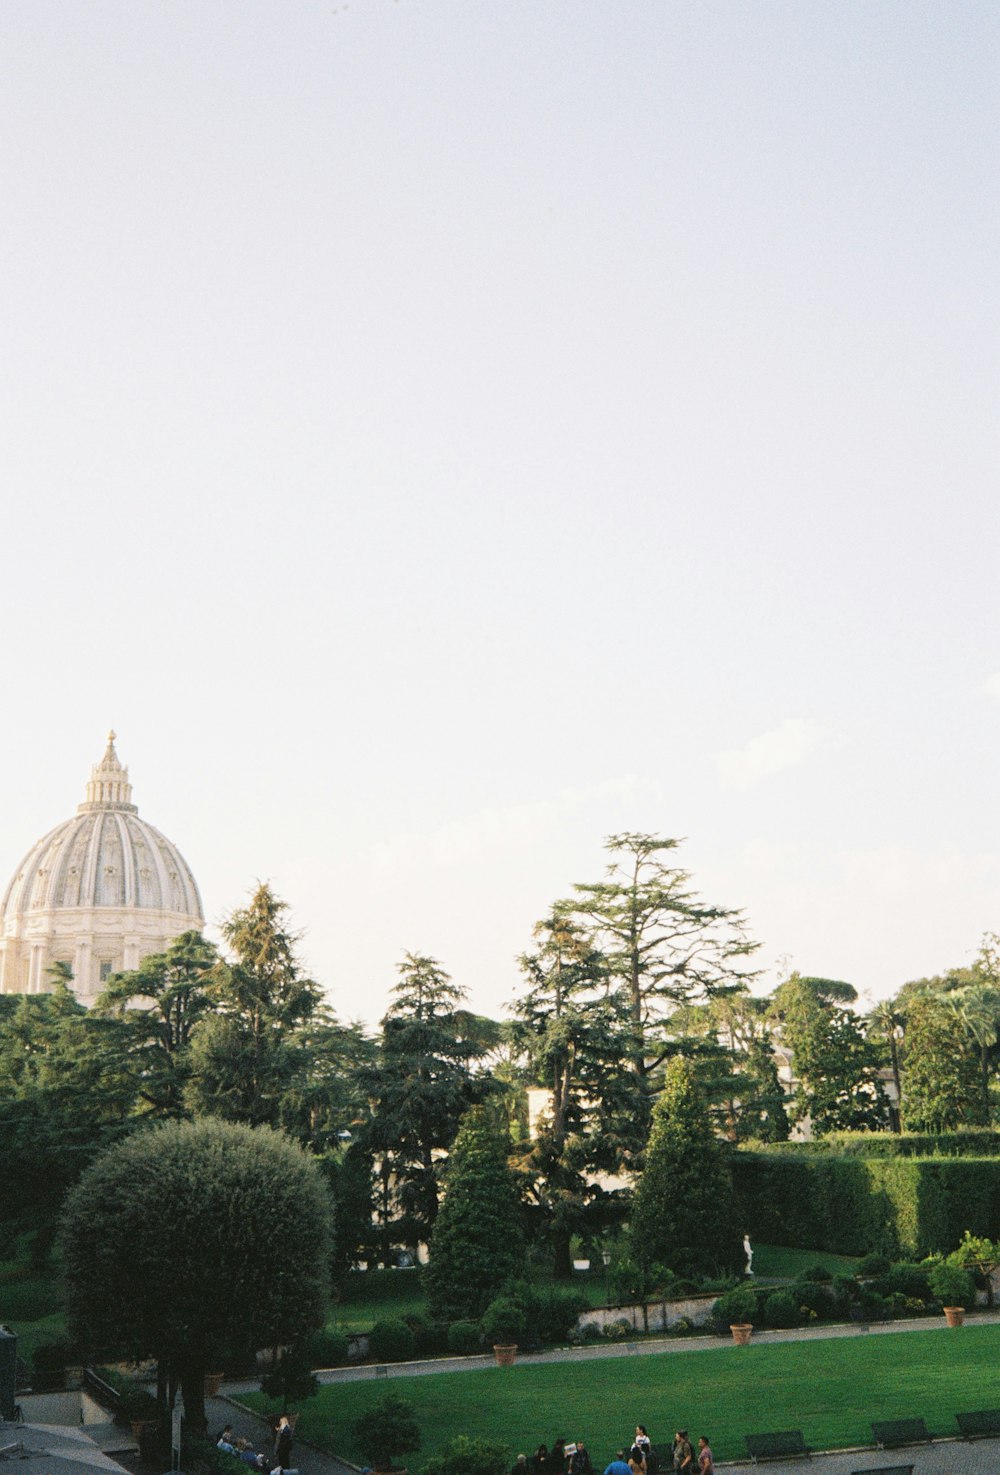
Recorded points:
(438,434)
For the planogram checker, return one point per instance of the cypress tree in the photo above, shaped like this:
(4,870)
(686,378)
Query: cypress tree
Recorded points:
(683,1215)
(476,1246)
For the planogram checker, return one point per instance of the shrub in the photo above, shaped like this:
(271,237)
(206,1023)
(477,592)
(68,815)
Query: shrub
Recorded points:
(137,1403)
(872,1266)
(592,1331)
(952,1285)
(329,1347)
(781,1309)
(52,1357)
(845,1289)
(617,1331)
(549,1313)
(429,1336)
(464,1455)
(905,1279)
(817,1298)
(735,1308)
(464,1338)
(817,1274)
(388,1428)
(504,1321)
(391,1341)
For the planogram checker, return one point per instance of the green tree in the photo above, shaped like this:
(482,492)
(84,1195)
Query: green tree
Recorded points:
(160,1004)
(477,1244)
(420,1086)
(253,1053)
(62,1097)
(574,1032)
(941,1082)
(683,1216)
(191,1239)
(836,1064)
(663,946)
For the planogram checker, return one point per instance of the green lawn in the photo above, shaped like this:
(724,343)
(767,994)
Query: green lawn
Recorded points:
(831,1389)
(379,1295)
(776,1260)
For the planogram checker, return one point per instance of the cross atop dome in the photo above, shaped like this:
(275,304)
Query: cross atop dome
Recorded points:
(109,786)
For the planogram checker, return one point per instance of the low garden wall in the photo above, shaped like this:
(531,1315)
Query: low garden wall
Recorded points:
(657,1316)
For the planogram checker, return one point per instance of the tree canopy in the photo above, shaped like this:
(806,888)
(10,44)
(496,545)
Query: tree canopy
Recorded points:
(190,1240)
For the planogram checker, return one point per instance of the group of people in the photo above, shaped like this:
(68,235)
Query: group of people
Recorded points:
(280,1461)
(573,1458)
(642,1458)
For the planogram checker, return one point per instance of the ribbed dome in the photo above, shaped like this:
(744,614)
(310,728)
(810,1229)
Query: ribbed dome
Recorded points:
(105,856)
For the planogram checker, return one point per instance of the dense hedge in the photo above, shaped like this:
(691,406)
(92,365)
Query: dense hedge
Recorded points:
(852,1206)
(969,1142)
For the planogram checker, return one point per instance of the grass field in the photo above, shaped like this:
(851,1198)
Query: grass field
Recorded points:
(831,1389)
(774,1260)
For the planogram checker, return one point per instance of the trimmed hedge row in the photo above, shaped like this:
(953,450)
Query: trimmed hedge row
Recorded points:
(853,1206)
(969,1142)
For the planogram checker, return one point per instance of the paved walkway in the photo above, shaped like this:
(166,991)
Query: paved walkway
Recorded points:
(943,1457)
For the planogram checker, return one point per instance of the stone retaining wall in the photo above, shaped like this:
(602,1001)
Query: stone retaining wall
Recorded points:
(657,1316)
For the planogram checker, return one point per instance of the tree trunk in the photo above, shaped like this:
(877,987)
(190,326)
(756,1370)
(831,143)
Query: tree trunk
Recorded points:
(193,1390)
(562,1263)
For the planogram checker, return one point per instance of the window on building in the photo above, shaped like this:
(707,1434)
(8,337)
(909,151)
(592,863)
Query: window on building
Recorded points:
(107,968)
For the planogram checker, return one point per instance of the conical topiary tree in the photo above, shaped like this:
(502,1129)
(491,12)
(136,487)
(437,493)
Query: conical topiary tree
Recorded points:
(477,1244)
(684,1215)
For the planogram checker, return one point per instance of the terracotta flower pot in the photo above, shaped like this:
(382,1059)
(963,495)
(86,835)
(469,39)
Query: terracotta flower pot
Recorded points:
(741,1333)
(954,1315)
(505,1352)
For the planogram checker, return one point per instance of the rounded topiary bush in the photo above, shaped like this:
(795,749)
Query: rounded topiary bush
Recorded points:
(818,1298)
(781,1309)
(816,1274)
(873,1265)
(737,1307)
(952,1285)
(504,1321)
(329,1347)
(905,1279)
(464,1338)
(391,1341)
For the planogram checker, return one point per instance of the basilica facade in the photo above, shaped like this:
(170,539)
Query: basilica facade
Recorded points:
(99,892)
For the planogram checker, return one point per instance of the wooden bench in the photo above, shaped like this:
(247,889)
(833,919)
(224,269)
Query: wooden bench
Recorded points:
(977,1425)
(783,1445)
(886,1470)
(893,1432)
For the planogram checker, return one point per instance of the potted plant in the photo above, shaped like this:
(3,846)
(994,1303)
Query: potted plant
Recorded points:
(504,1324)
(736,1310)
(139,1409)
(387,1429)
(954,1289)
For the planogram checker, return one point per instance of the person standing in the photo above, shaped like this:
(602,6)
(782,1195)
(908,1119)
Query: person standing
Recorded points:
(618,1465)
(683,1454)
(282,1445)
(706,1463)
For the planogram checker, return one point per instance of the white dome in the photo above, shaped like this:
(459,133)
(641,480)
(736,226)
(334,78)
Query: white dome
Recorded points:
(99,892)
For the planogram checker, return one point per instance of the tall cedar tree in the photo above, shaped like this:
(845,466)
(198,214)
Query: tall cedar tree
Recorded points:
(477,1245)
(172,991)
(251,1054)
(420,1087)
(684,1216)
(191,1240)
(663,946)
(574,1031)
